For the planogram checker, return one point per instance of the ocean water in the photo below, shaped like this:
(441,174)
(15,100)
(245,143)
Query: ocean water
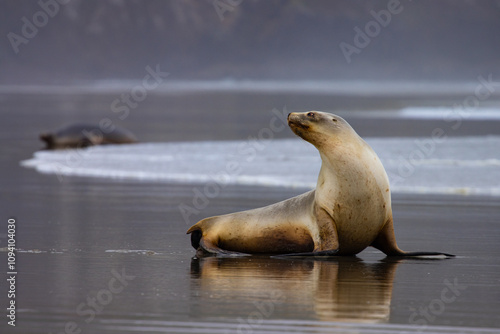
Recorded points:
(118,209)
(460,160)
(425,165)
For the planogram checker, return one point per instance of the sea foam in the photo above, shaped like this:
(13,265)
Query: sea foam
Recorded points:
(455,165)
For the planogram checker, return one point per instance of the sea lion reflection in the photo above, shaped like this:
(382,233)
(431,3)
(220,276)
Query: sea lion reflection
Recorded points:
(339,289)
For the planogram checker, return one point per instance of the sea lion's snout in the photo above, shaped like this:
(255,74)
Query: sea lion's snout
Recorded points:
(298,120)
(294,118)
(299,124)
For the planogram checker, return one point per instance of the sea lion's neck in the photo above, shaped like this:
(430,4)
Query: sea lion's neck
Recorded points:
(355,164)
(339,157)
(341,163)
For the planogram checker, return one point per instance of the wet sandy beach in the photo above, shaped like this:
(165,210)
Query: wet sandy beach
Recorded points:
(112,256)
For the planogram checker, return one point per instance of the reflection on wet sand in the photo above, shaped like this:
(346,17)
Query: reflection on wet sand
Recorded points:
(339,289)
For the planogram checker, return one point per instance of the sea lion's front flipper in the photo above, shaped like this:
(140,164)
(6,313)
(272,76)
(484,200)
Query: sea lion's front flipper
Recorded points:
(326,243)
(386,242)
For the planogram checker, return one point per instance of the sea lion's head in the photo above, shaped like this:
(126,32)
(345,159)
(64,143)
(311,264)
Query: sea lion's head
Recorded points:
(319,127)
(49,139)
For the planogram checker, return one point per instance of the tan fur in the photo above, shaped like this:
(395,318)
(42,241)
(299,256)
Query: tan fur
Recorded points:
(349,210)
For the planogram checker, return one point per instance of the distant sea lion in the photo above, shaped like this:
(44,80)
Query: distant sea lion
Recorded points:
(83,135)
(349,210)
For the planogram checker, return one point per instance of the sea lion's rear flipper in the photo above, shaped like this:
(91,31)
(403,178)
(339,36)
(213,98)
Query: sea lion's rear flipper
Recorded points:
(386,242)
(208,248)
(204,247)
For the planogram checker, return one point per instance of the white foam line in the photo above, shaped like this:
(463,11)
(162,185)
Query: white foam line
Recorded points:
(467,191)
(311,87)
(443,113)
(52,168)
(449,162)
(131,251)
(248,180)
(187,163)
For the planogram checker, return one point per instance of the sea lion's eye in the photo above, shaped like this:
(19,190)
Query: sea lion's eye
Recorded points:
(310,114)
(334,119)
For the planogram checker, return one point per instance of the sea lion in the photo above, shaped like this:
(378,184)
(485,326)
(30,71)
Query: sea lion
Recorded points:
(83,135)
(349,210)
